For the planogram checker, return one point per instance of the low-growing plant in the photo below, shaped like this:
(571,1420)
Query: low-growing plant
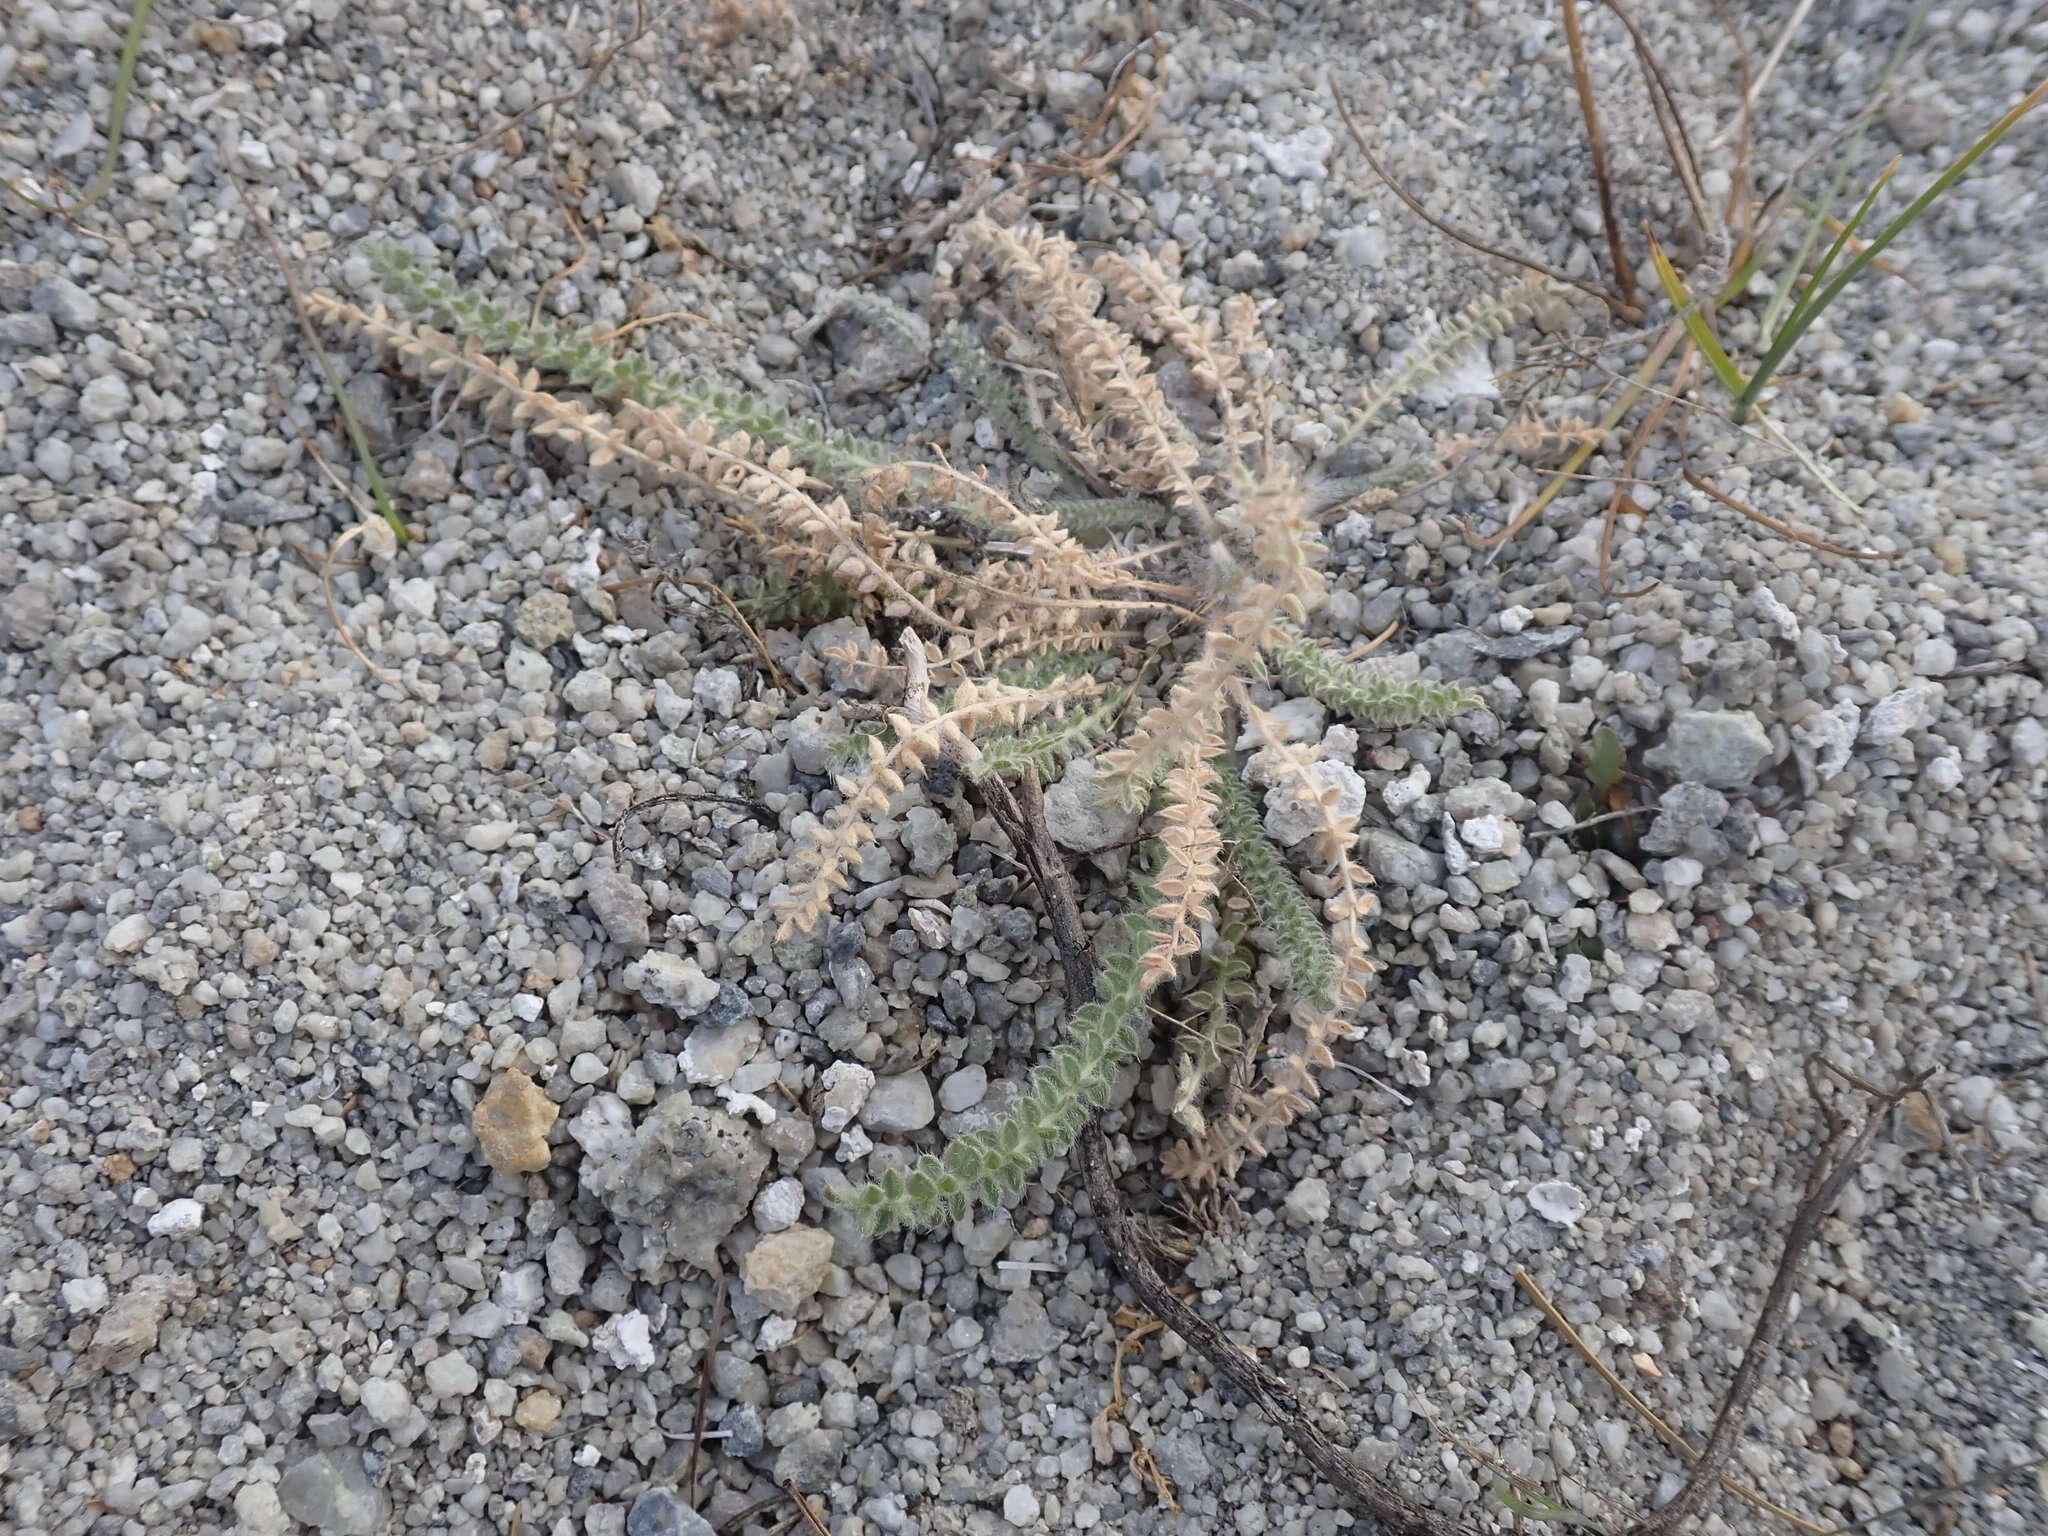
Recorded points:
(1017,639)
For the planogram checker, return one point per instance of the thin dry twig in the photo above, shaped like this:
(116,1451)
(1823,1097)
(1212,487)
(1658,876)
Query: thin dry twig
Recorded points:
(1620,1389)
(334,609)
(640,808)
(358,439)
(1589,110)
(1670,121)
(1755,92)
(803,1504)
(601,60)
(583,251)
(758,1507)
(1831,1175)
(1764,519)
(1133,1326)
(1090,166)
(666,315)
(1568,471)
(1464,236)
(704,1390)
(775,673)
(1621,501)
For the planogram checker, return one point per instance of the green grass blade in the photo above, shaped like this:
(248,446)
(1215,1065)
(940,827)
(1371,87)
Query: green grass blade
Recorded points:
(1811,308)
(1848,233)
(1695,323)
(1781,299)
(117,119)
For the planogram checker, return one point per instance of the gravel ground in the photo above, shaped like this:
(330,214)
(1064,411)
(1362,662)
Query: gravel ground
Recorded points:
(290,950)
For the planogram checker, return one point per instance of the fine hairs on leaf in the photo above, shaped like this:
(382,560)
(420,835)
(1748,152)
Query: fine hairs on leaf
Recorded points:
(991,1165)
(995,390)
(1364,692)
(1442,350)
(1211,1035)
(1277,898)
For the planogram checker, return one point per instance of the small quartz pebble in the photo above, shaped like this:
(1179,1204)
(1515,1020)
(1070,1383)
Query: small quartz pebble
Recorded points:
(778,1205)
(1558,1202)
(673,982)
(627,1340)
(179,1218)
(1020,1507)
(490,836)
(387,1402)
(128,935)
(537,1411)
(1308,1203)
(451,1375)
(846,1086)
(84,1296)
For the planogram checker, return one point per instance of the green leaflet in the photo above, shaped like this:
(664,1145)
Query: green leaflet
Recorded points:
(1369,697)
(1277,898)
(991,1165)
(590,364)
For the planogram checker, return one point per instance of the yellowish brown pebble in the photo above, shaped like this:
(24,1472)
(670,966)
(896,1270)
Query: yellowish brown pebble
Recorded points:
(537,1411)
(511,1123)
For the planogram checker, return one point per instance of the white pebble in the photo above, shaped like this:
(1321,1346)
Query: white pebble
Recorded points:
(627,1340)
(778,1206)
(450,1376)
(128,935)
(1557,1202)
(386,1401)
(490,836)
(181,1218)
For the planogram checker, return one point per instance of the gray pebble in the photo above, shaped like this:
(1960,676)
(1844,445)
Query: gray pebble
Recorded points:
(65,302)
(451,1375)
(1395,861)
(671,981)
(1023,1333)
(899,1104)
(1720,748)
(637,186)
(963,1089)
(617,900)
(32,332)
(1362,247)
(717,691)
(330,1491)
(658,1512)
(386,1401)
(106,399)
(186,633)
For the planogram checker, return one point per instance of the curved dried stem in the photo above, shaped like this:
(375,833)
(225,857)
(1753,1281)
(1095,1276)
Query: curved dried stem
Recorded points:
(1465,237)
